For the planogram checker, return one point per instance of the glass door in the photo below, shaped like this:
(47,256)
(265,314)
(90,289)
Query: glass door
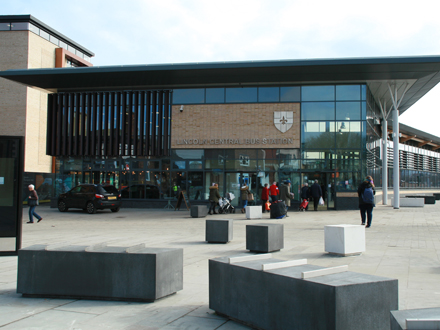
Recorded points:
(327,182)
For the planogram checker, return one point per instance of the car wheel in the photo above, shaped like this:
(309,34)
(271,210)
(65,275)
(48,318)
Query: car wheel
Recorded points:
(115,209)
(62,206)
(90,208)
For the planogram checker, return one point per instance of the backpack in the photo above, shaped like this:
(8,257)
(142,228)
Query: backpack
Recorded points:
(368,196)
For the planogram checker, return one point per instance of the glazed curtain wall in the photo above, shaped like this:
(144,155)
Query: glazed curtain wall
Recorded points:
(131,123)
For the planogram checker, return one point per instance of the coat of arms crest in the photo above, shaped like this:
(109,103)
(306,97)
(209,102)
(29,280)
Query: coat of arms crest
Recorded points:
(283,120)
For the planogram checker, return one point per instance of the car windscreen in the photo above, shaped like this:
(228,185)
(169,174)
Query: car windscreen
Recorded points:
(107,190)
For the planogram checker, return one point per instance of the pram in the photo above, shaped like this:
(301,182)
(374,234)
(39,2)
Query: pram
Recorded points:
(303,205)
(225,205)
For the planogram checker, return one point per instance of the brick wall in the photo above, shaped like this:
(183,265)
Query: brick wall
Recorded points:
(23,110)
(233,126)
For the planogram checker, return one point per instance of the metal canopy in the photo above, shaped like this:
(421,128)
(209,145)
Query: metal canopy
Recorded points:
(420,73)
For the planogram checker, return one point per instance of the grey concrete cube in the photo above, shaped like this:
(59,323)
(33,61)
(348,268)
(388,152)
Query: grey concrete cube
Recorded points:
(398,318)
(107,273)
(199,211)
(437,196)
(280,299)
(219,230)
(265,237)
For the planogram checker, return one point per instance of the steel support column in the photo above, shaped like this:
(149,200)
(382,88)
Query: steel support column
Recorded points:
(385,162)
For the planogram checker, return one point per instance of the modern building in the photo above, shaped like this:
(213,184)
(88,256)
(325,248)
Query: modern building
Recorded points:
(153,130)
(27,43)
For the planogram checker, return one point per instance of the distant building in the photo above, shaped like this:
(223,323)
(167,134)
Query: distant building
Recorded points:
(150,128)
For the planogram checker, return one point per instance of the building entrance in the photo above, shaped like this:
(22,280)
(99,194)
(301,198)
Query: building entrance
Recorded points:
(327,182)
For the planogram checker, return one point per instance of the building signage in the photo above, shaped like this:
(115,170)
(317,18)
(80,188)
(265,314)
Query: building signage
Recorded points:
(283,120)
(263,141)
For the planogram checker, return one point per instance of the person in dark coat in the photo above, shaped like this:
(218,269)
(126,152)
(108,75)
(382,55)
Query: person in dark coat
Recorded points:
(214,196)
(305,193)
(316,193)
(264,196)
(33,202)
(366,208)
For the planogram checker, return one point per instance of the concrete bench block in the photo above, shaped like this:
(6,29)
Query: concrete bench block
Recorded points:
(199,211)
(102,272)
(281,299)
(344,240)
(428,199)
(410,202)
(437,196)
(265,237)
(254,212)
(219,230)
(399,319)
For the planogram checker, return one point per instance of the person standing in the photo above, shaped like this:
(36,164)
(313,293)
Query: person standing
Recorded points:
(285,194)
(305,193)
(366,194)
(244,190)
(316,193)
(33,202)
(264,196)
(274,192)
(214,196)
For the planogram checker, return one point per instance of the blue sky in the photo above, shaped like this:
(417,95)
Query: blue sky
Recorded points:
(180,31)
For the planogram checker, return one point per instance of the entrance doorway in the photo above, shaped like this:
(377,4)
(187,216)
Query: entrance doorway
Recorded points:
(234,180)
(327,182)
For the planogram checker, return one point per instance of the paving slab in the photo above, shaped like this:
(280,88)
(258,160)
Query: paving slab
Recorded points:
(402,244)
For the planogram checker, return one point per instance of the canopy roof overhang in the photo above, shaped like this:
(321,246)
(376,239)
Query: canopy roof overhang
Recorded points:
(417,75)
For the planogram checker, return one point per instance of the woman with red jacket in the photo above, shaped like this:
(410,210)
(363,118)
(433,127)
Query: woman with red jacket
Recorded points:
(265,196)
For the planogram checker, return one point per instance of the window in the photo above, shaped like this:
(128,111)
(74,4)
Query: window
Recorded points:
(44,34)
(189,96)
(245,94)
(290,94)
(316,135)
(268,94)
(348,92)
(318,93)
(53,40)
(215,95)
(5,26)
(20,26)
(348,111)
(318,111)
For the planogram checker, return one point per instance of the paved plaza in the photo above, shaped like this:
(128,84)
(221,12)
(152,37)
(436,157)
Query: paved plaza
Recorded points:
(402,244)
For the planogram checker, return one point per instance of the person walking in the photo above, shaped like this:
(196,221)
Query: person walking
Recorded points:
(366,194)
(33,202)
(214,196)
(285,194)
(265,196)
(274,192)
(244,190)
(305,194)
(316,193)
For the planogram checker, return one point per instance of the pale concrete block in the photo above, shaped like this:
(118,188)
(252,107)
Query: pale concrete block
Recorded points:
(410,202)
(254,212)
(344,239)
(420,319)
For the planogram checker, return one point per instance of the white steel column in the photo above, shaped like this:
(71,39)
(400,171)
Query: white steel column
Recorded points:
(396,167)
(385,114)
(385,161)
(396,136)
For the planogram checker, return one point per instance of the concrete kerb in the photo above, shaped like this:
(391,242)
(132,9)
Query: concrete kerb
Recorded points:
(402,244)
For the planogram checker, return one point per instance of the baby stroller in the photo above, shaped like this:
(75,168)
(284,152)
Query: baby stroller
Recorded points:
(303,205)
(225,204)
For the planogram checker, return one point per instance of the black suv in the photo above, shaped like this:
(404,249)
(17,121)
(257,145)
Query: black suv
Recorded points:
(90,197)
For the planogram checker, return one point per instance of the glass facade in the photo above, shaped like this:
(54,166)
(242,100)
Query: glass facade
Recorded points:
(340,145)
(332,151)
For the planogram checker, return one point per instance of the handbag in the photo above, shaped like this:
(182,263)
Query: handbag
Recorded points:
(33,202)
(250,197)
(321,201)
